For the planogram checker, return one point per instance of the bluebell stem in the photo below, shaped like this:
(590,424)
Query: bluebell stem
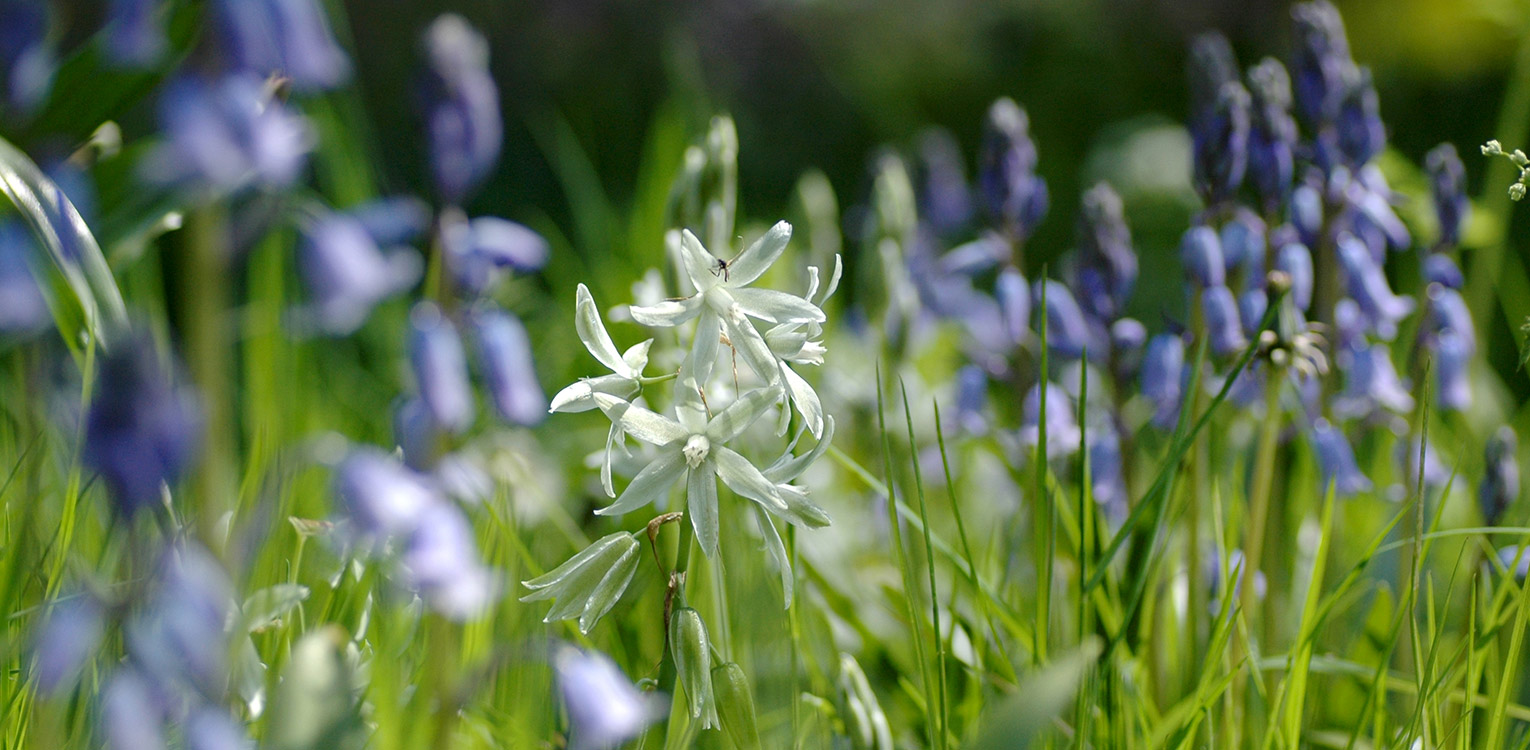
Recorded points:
(1452,362)
(1320,63)
(179,637)
(1163,368)
(213,729)
(1224,327)
(1107,263)
(223,134)
(1442,270)
(945,200)
(1062,424)
(66,643)
(1361,132)
(1014,195)
(484,250)
(381,497)
(27,58)
(1210,67)
(505,353)
(1272,134)
(1067,330)
(1200,252)
(1447,184)
(142,429)
(1295,261)
(23,310)
(135,34)
(131,717)
(289,38)
(1367,284)
(440,563)
(1243,247)
(1220,144)
(1500,478)
(461,106)
(347,272)
(440,368)
(1014,297)
(604,707)
(1337,461)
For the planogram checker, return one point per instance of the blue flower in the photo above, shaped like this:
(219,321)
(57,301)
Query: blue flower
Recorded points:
(1452,359)
(227,133)
(1243,246)
(178,636)
(1106,478)
(1252,306)
(481,252)
(23,310)
(135,36)
(131,717)
(1320,63)
(1224,327)
(1062,424)
(1442,270)
(1367,284)
(1107,263)
(66,643)
(1500,478)
(440,368)
(289,38)
(945,201)
(1067,330)
(142,430)
(1127,338)
(27,60)
(347,272)
(1272,133)
(1295,261)
(1370,382)
(1220,144)
(1361,132)
(1163,369)
(381,497)
(1447,183)
(1307,212)
(461,107)
(1200,252)
(1211,66)
(1337,461)
(505,352)
(1372,217)
(1014,297)
(1014,195)
(213,729)
(1448,312)
(604,707)
(440,563)
(972,400)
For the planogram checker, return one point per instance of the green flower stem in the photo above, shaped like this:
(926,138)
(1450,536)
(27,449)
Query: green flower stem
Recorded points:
(668,675)
(1487,261)
(1199,496)
(204,324)
(445,637)
(1259,494)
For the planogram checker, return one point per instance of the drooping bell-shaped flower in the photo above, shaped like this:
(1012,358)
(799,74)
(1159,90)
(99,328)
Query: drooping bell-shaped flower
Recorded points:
(1442,270)
(505,352)
(131,717)
(1367,284)
(1061,422)
(286,38)
(483,251)
(1224,327)
(1107,263)
(1320,62)
(1452,362)
(440,368)
(1163,368)
(224,134)
(1200,252)
(589,584)
(211,728)
(1243,246)
(1013,194)
(604,707)
(440,563)
(179,636)
(463,127)
(1295,261)
(1362,135)
(1272,134)
(380,496)
(1066,327)
(68,639)
(1336,460)
(945,200)
(1014,297)
(1220,145)
(348,272)
(1447,185)
(134,33)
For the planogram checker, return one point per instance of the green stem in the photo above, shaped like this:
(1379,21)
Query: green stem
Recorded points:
(444,639)
(1259,502)
(204,287)
(1511,128)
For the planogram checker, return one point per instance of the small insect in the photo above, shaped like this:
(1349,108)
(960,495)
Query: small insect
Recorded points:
(721,269)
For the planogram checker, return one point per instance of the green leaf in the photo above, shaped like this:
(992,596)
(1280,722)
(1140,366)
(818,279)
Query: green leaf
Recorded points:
(1020,720)
(314,706)
(266,606)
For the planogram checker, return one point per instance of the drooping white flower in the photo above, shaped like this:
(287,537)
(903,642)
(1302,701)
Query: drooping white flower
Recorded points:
(802,344)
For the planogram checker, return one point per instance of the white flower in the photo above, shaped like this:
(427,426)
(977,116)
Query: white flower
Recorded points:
(626,369)
(694,447)
(802,343)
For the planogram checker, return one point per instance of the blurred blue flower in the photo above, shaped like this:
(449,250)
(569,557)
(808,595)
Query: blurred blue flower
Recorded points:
(1220,145)
(179,635)
(945,201)
(1367,284)
(1447,311)
(1370,382)
(1200,252)
(440,368)
(482,251)
(441,564)
(505,353)
(1307,212)
(414,433)
(604,707)
(1014,195)
(1361,132)
(1452,361)
(1224,326)
(23,310)
(1107,264)
(1127,338)
(1014,297)
(1252,306)
(393,221)
(1337,461)
(223,134)
(135,35)
(1320,62)
(380,496)
(1295,261)
(1243,246)
(1500,477)
(1063,432)
(972,400)
(1106,479)
(1447,183)
(142,430)
(1436,474)
(461,108)
(66,643)
(1372,217)
(1272,134)
(288,38)
(1441,269)
(27,59)
(211,728)
(1067,330)
(131,717)
(1211,66)
(347,271)
(1163,368)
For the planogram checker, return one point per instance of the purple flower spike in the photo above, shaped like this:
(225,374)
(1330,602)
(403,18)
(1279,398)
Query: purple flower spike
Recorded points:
(483,251)
(1163,368)
(1440,269)
(1448,312)
(1224,328)
(440,368)
(290,38)
(23,310)
(1500,479)
(131,717)
(212,729)
(1447,183)
(1307,213)
(1371,382)
(505,353)
(945,200)
(225,134)
(1062,424)
(380,496)
(1320,63)
(1252,306)
(1200,252)
(1108,264)
(135,36)
(1220,144)
(347,273)
(142,430)
(1067,330)
(1243,245)
(1014,298)
(1361,132)
(1015,197)
(461,104)
(1452,358)
(27,59)
(67,642)
(1295,260)
(1272,133)
(1211,66)
(1337,461)
(1367,284)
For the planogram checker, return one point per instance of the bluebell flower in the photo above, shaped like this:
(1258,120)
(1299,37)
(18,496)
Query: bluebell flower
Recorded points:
(1107,263)
(1106,478)
(1361,132)
(1447,184)
(1252,305)
(27,59)
(505,353)
(972,400)
(1436,473)
(347,272)
(1500,477)
(1370,382)
(1200,252)
(66,643)
(179,637)
(1295,261)
(461,108)
(135,34)
(414,432)
(440,368)
(1442,270)
(1452,362)
(1128,337)
(1063,432)
(1320,63)
(945,201)
(1211,66)
(1448,312)
(1220,145)
(142,430)
(1243,246)
(970,258)
(604,707)
(131,717)
(441,564)
(1272,134)
(1307,213)
(481,252)
(1067,330)
(289,38)
(1014,297)
(1337,461)
(23,309)
(381,497)
(1367,284)
(1372,217)
(1235,568)
(393,221)
(1224,329)
(1014,195)
(1163,369)
(210,728)
(223,134)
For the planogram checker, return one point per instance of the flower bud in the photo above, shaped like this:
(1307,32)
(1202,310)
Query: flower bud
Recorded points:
(692,651)
(1361,132)
(505,353)
(1200,252)
(1500,479)
(1014,297)
(440,368)
(1105,253)
(1224,328)
(589,584)
(1272,133)
(735,706)
(1447,183)
(1442,270)
(1220,145)
(1320,61)
(1252,306)
(462,119)
(1295,261)
(1337,461)
(1163,369)
(1243,245)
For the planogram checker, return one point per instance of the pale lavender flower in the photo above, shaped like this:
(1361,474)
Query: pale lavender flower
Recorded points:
(440,368)
(1372,217)
(972,400)
(1321,62)
(1452,360)
(505,353)
(1442,270)
(1014,195)
(67,642)
(380,496)
(1337,461)
(1107,263)
(414,432)
(1106,479)
(1163,368)
(1200,252)
(1063,432)
(23,310)
(1295,260)
(1220,145)
(483,251)
(461,106)
(1448,312)
(1014,298)
(142,429)
(1500,479)
(135,34)
(347,271)
(1067,329)
(290,38)
(223,134)
(1370,382)
(1307,213)
(179,636)
(1243,246)
(131,717)
(1361,132)
(1127,338)
(1224,328)
(441,564)
(944,198)
(1252,306)
(604,707)
(1367,284)
(210,728)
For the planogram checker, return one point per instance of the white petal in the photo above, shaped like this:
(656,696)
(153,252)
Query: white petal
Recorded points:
(609,590)
(801,511)
(839,269)
(612,438)
(744,411)
(593,332)
(743,478)
(568,567)
(643,424)
(704,269)
(751,263)
(776,307)
(789,467)
(696,371)
(648,485)
(580,396)
(637,358)
(751,346)
(668,313)
(776,551)
(806,400)
(701,505)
